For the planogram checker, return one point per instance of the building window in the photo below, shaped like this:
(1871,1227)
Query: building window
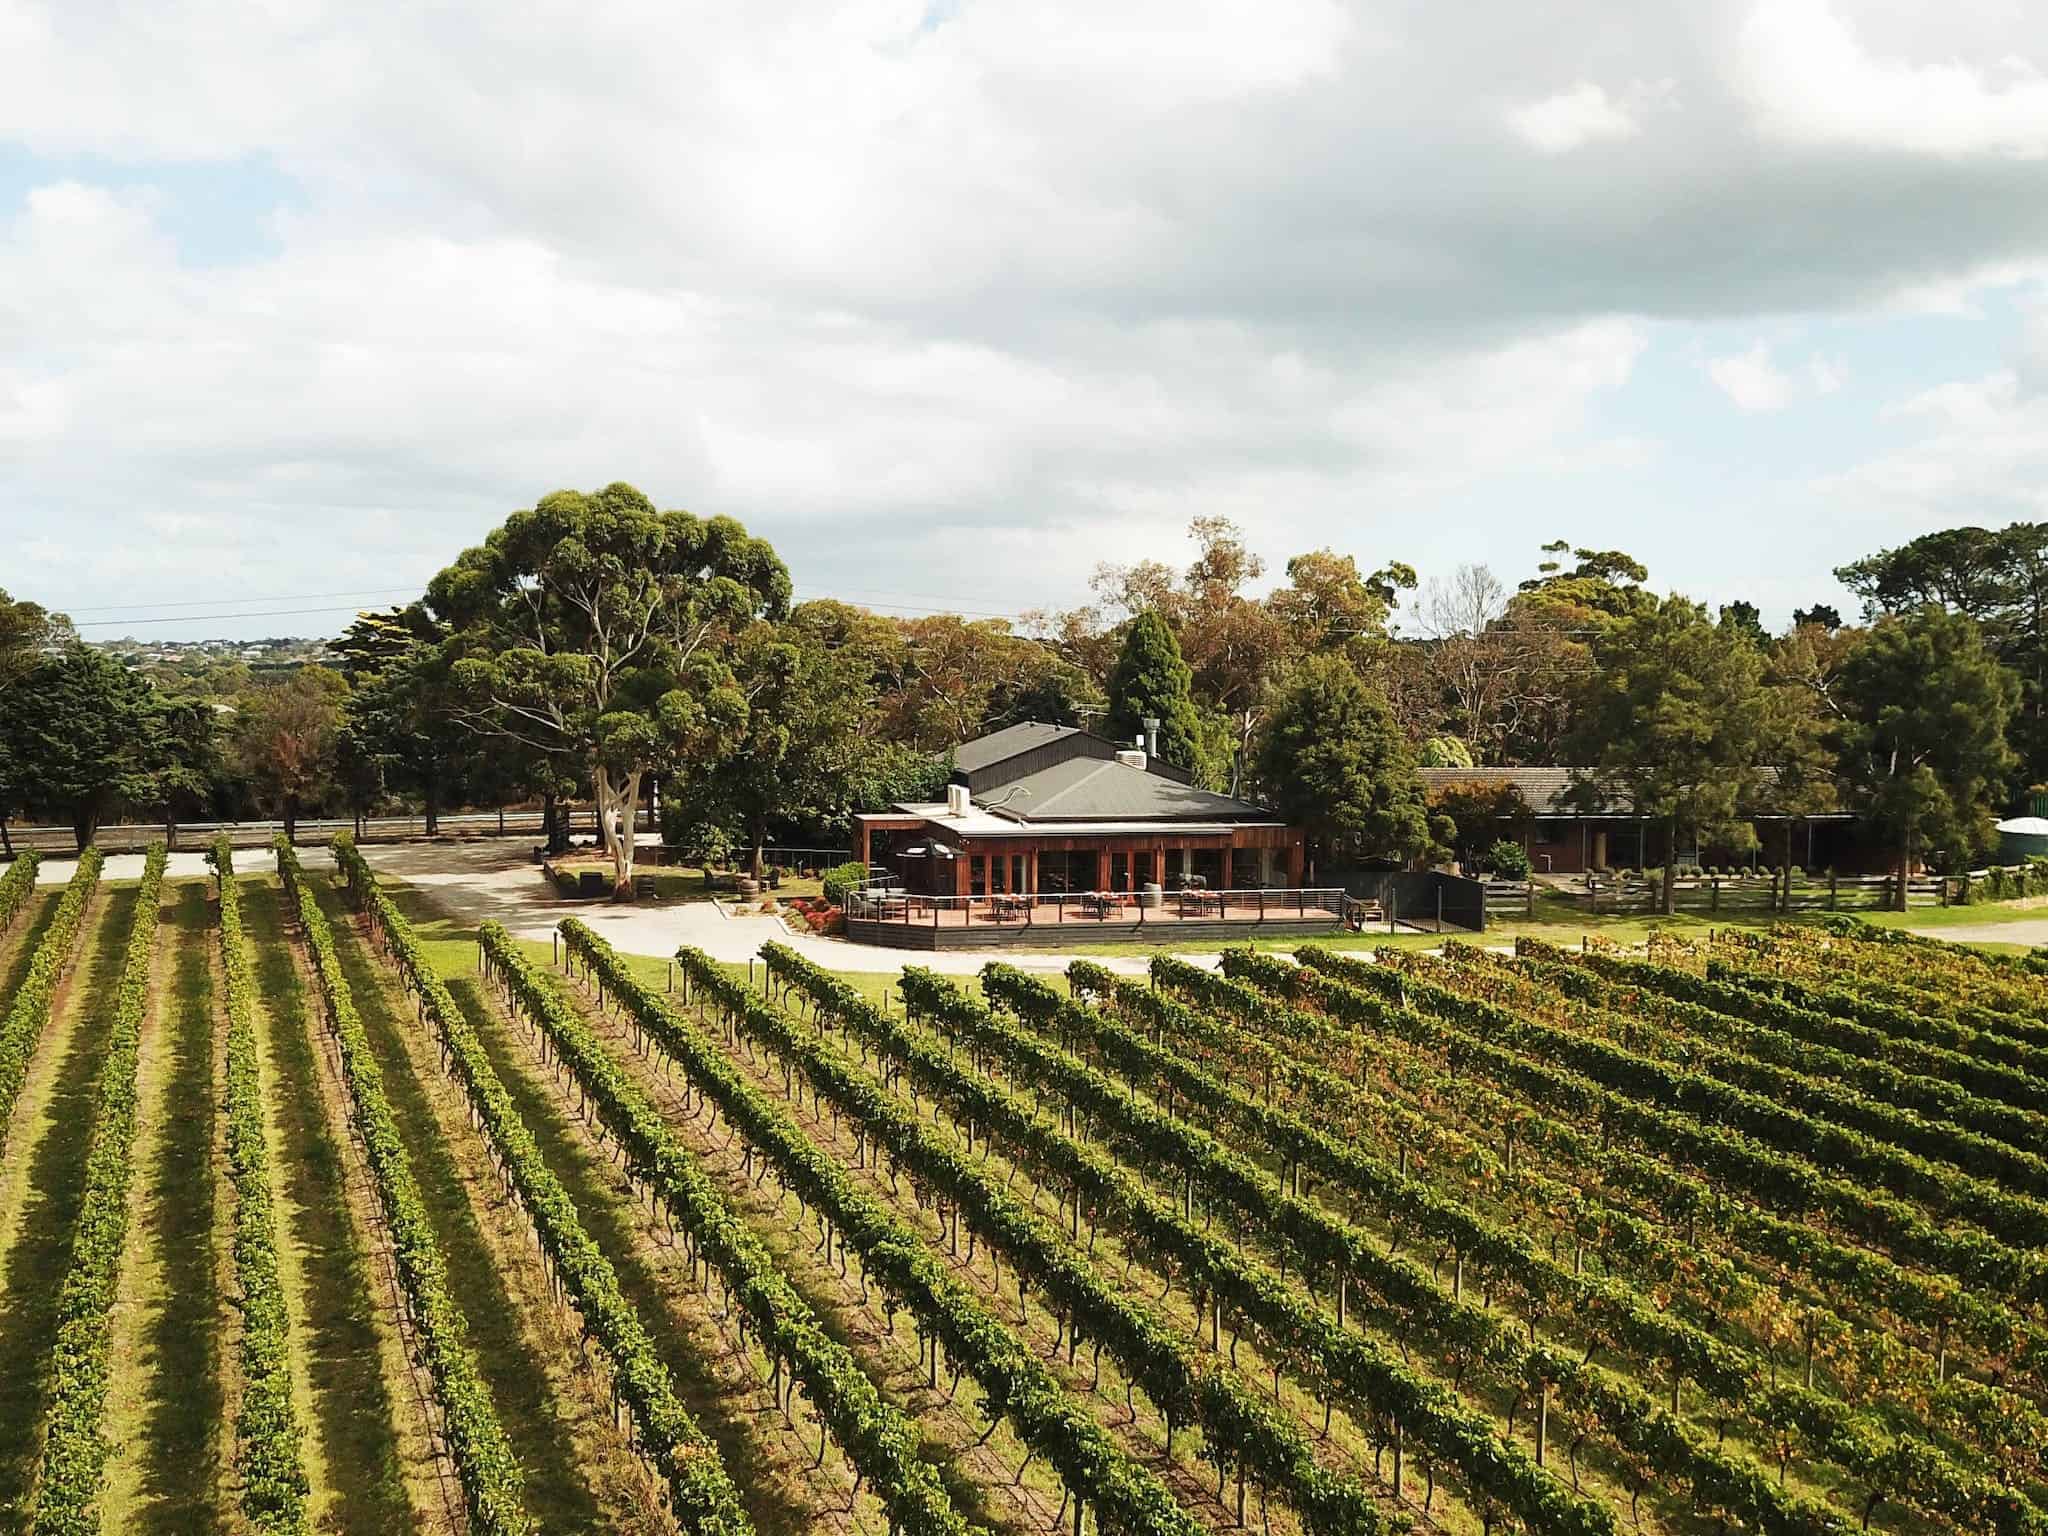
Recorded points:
(1017,872)
(977,875)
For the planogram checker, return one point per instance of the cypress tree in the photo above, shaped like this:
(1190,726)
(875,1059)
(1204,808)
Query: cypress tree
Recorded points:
(1150,678)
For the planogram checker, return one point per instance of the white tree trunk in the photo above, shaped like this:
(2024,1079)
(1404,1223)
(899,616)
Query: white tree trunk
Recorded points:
(618,802)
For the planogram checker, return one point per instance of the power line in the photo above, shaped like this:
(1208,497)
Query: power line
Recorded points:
(965,613)
(208,618)
(207,602)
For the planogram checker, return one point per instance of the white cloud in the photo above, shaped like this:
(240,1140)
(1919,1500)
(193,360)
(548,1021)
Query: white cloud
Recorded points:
(905,284)
(1752,380)
(1755,381)
(1812,76)
(1583,115)
(436,384)
(1975,450)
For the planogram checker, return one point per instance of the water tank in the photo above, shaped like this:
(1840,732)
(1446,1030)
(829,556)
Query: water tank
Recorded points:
(2022,838)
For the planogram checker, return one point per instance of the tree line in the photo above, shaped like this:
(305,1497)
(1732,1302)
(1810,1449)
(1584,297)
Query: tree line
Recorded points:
(594,647)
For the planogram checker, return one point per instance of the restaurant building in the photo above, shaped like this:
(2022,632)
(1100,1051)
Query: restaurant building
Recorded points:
(1042,823)
(1053,808)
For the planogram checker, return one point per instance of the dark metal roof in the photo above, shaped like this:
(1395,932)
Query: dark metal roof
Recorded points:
(999,746)
(1092,789)
(990,762)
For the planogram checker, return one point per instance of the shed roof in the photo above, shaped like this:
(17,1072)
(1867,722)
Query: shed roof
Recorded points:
(1543,788)
(998,746)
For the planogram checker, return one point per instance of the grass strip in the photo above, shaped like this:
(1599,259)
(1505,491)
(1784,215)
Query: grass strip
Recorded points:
(26,1019)
(878,1439)
(269,1440)
(343,1363)
(701,1496)
(75,1451)
(492,1483)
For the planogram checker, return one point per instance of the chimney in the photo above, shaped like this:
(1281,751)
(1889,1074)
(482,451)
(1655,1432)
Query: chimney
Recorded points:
(958,800)
(1151,723)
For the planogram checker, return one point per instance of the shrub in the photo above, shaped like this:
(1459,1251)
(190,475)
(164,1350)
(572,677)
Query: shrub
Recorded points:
(1507,859)
(842,880)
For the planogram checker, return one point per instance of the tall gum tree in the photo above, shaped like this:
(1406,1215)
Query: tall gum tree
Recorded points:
(592,630)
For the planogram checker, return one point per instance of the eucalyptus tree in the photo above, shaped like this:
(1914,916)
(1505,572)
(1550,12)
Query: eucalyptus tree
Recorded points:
(593,631)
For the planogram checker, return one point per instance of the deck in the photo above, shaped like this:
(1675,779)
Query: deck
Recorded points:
(1049,921)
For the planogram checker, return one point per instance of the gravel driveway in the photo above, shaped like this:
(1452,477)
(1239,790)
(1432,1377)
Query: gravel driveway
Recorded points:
(488,880)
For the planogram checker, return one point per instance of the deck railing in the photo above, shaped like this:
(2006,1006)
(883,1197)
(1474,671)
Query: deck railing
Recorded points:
(1101,909)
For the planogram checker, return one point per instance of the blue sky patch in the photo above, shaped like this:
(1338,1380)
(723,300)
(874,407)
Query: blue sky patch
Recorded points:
(217,213)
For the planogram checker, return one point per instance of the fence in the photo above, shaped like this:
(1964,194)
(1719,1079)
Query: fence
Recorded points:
(1425,899)
(1713,894)
(1121,912)
(132,837)
(799,858)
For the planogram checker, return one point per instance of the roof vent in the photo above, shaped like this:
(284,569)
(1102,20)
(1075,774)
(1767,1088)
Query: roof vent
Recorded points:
(1132,758)
(1151,724)
(958,800)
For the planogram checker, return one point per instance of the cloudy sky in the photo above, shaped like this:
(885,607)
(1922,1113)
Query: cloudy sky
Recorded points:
(952,298)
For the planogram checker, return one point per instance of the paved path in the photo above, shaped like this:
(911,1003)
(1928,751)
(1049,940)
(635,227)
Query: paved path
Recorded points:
(476,881)
(181,866)
(2033,931)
